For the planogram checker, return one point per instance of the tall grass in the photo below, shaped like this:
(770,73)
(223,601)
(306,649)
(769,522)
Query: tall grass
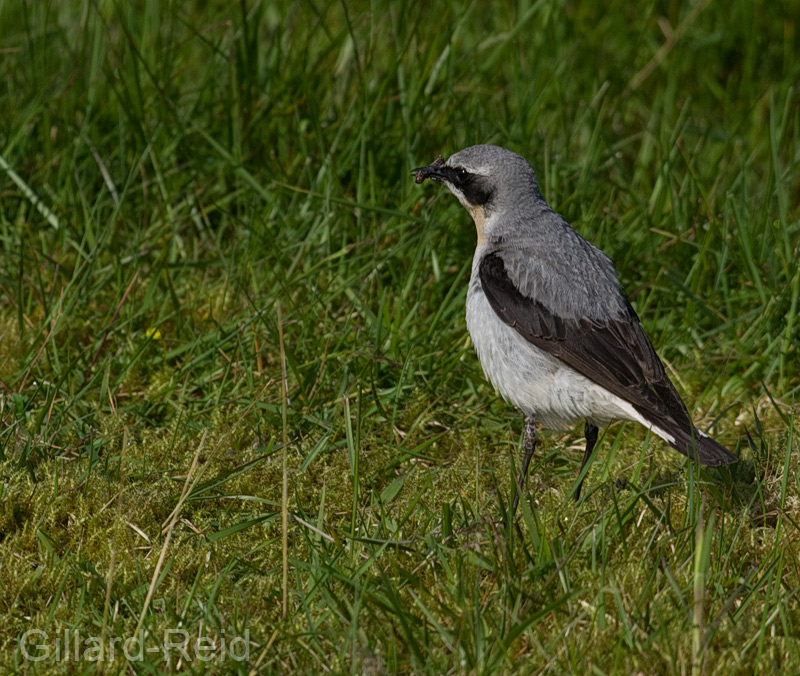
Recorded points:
(171,171)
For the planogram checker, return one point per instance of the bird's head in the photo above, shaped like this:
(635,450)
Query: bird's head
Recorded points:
(486,180)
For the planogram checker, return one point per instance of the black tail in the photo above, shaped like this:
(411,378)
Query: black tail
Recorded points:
(701,447)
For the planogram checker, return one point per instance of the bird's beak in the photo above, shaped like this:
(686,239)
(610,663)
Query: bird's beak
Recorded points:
(433,171)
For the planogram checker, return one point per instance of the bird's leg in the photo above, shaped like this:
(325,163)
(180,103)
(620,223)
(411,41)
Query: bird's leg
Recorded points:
(528,445)
(590,431)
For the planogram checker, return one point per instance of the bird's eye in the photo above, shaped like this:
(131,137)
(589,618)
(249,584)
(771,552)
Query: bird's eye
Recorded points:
(461,173)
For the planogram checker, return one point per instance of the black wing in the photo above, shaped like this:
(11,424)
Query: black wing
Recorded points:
(616,354)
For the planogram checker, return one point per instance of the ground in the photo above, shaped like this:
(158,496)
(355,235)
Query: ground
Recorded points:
(195,195)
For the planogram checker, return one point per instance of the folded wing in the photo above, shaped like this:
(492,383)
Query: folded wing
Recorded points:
(614,353)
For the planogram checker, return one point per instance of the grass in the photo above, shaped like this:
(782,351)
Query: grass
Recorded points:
(171,172)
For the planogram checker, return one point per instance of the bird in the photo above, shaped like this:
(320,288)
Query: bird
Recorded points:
(554,332)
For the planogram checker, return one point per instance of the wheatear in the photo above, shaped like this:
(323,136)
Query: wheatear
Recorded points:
(553,331)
